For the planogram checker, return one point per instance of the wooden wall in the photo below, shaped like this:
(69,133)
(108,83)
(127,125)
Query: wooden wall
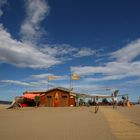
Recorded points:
(56,97)
(59,98)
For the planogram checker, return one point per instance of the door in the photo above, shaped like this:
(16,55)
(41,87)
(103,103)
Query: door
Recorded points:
(56,102)
(56,99)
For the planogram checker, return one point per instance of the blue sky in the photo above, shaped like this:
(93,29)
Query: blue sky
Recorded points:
(99,40)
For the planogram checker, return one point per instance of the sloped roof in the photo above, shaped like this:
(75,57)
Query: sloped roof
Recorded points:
(57,88)
(63,89)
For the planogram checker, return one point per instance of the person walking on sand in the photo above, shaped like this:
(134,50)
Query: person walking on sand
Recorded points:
(127,102)
(114,102)
(96,104)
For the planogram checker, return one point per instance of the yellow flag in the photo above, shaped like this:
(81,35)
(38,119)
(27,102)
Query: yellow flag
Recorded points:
(75,77)
(51,77)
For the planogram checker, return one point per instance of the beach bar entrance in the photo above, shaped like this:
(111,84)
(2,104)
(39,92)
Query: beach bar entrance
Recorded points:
(56,97)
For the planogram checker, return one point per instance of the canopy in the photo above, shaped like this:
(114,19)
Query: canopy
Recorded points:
(30,96)
(94,95)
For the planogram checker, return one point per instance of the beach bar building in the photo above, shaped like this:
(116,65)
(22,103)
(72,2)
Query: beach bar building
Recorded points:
(56,97)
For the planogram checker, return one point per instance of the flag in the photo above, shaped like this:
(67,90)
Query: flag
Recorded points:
(75,77)
(51,77)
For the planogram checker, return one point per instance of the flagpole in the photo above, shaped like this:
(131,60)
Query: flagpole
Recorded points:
(48,83)
(70,81)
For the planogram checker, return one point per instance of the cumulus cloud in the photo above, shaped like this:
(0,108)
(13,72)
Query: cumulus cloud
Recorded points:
(22,54)
(123,66)
(128,53)
(112,70)
(36,11)
(2,2)
(25,53)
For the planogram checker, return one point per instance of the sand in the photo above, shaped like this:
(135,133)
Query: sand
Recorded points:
(132,113)
(124,122)
(66,123)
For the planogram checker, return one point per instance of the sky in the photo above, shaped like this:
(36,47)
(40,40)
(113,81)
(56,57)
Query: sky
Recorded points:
(96,39)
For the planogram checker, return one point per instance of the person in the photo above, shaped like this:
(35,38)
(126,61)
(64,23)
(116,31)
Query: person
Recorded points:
(96,104)
(124,100)
(114,95)
(114,102)
(127,102)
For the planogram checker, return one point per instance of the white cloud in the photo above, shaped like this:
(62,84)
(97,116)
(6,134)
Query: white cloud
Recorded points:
(66,50)
(33,85)
(41,76)
(128,53)
(43,85)
(89,88)
(58,50)
(132,83)
(114,70)
(120,68)
(84,52)
(27,54)
(22,54)
(40,83)
(2,2)
(45,76)
(36,11)
(105,78)
(15,82)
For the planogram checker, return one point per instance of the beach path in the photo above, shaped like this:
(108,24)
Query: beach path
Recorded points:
(121,125)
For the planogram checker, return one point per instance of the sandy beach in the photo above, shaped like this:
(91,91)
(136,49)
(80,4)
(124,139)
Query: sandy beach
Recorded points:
(70,123)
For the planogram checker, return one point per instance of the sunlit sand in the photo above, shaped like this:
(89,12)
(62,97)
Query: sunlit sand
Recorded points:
(69,123)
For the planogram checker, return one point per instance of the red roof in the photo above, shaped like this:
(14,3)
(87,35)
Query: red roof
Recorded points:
(30,96)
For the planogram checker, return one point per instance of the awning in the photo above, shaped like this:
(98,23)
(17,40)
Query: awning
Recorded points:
(30,96)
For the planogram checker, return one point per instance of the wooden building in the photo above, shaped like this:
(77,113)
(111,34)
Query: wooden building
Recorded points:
(56,97)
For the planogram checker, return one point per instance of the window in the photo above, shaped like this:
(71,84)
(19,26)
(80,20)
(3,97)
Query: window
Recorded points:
(49,97)
(64,96)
